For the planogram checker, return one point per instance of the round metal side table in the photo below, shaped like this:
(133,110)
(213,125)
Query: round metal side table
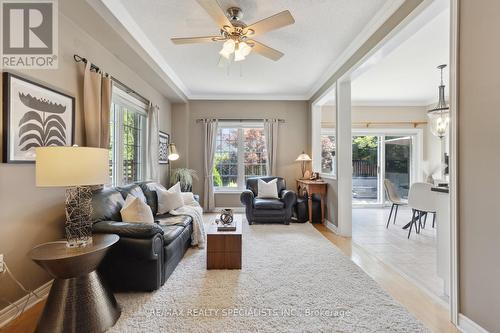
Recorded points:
(79,300)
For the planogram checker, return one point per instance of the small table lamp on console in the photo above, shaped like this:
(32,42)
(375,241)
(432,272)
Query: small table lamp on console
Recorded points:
(77,169)
(304,158)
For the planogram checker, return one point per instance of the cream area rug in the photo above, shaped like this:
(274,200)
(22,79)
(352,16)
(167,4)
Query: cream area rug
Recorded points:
(292,280)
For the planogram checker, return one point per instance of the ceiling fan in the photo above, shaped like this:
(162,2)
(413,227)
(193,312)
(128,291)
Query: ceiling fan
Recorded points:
(236,35)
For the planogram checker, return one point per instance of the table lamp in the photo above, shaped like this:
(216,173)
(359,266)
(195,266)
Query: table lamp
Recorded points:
(78,169)
(304,158)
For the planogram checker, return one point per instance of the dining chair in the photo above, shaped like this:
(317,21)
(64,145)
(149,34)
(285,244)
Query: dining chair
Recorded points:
(394,198)
(421,203)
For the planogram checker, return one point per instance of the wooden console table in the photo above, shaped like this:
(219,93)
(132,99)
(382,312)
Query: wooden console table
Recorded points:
(313,187)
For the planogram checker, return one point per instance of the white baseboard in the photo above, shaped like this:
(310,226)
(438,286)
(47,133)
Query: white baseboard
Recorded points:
(10,312)
(332,227)
(466,325)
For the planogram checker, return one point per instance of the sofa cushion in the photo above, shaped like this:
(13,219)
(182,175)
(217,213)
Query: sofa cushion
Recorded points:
(167,219)
(268,204)
(132,189)
(106,205)
(171,232)
(149,189)
(136,210)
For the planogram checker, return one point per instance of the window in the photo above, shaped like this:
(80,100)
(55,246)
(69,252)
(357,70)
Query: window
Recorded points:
(240,154)
(127,138)
(324,144)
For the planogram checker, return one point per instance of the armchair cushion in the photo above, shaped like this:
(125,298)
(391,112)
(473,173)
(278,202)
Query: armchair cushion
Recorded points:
(124,229)
(268,204)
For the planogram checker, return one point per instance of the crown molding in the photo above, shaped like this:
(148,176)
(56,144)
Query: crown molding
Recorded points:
(248,97)
(420,103)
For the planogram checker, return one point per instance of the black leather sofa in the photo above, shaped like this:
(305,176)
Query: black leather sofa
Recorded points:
(268,210)
(146,254)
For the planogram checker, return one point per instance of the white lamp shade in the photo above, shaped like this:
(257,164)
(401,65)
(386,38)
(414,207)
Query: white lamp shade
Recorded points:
(303,158)
(71,166)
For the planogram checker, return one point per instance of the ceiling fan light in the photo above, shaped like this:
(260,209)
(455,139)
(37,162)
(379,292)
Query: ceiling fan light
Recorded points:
(238,55)
(226,54)
(244,48)
(229,46)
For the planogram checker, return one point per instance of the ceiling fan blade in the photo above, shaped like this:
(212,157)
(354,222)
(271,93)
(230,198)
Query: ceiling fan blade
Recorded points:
(271,23)
(265,50)
(193,40)
(213,9)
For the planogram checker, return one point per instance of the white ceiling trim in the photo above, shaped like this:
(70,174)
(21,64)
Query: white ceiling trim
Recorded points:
(382,15)
(392,103)
(120,13)
(250,97)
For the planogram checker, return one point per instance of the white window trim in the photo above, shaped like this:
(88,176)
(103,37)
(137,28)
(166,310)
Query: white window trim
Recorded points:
(121,97)
(241,157)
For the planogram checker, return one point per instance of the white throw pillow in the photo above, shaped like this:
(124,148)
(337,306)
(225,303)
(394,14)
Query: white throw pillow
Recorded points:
(268,190)
(136,210)
(187,198)
(169,199)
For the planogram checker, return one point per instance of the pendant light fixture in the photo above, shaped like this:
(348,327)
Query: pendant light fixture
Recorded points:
(439,116)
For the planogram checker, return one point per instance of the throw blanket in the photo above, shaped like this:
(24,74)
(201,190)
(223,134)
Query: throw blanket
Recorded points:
(196,212)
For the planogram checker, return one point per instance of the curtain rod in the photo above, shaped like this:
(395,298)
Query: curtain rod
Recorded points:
(115,80)
(240,120)
(379,123)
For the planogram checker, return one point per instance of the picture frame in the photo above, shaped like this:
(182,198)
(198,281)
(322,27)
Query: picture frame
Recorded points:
(34,115)
(163,142)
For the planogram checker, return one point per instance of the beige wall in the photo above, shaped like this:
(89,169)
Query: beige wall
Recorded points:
(31,215)
(478,161)
(292,135)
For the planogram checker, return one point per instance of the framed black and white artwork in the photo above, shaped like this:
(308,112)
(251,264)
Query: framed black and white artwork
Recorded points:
(34,116)
(163,142)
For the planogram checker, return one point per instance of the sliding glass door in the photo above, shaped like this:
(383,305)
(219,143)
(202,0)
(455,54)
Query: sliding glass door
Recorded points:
(377,156)
(398,151)
(365,169)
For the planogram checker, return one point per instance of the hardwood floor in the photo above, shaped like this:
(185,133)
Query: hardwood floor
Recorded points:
(26,323)
(422,306)
(434,315)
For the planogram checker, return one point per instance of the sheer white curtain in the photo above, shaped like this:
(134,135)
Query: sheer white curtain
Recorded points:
(97,91)
(152,144)
(271,137)
(210,134)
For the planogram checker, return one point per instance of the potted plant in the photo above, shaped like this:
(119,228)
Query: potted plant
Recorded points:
(185,177)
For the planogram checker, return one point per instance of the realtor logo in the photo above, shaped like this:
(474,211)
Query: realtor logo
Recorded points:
(29,34)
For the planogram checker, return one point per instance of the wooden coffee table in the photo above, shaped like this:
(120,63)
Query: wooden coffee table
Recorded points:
(224,247)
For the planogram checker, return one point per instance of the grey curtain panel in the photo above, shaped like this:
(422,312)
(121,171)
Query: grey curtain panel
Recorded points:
(210,134)
(271,138)
(152,143)
(97,91)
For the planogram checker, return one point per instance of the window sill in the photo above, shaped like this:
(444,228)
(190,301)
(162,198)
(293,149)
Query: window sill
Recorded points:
(235,191)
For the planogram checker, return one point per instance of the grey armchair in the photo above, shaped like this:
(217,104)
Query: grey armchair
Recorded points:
(268,210)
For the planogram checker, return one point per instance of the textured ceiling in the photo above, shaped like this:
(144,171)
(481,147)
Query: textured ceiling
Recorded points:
(323,30)
(407,74)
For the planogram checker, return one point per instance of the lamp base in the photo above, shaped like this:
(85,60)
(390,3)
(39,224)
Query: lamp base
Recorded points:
(78,227)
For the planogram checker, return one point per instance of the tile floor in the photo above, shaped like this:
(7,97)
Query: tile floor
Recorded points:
(414,257)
